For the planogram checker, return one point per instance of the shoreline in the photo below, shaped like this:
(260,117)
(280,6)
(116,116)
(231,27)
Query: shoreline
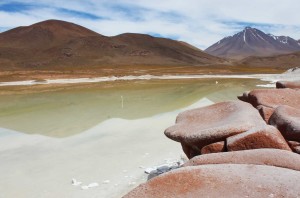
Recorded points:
(263,77)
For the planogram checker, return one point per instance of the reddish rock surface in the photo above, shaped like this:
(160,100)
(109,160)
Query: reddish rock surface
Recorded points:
(287,120)
(273,98)
(244,96)
(265,112)
(295,146)
(270,157)
(288,84)
(214,148)
(202,126)
(258,137)
(222,180)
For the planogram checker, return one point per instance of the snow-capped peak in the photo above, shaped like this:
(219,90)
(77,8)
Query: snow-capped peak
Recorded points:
(273,36)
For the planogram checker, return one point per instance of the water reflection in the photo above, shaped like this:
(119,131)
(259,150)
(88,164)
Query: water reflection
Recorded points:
(61,111)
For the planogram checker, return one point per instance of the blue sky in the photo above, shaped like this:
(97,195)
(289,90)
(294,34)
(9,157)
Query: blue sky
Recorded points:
(198,22)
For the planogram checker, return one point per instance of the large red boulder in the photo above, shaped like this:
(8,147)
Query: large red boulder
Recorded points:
(259,137)
(222,180)
(287,120)
(273,98)
(202,126)
(288,84)
(270,157)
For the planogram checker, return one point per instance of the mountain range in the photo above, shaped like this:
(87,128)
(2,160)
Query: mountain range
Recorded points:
(253,42)
(55,45)
(60,44)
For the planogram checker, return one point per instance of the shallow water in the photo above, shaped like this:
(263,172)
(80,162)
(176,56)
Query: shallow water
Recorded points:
(67,110)
(85,132)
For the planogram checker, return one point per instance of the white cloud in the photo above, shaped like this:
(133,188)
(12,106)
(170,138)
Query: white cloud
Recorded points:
(199,22)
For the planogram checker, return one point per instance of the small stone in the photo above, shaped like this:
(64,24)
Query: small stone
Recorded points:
(214,148)
(75,182)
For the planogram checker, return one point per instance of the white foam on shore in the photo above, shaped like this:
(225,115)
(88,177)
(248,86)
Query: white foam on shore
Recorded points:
(289,75)
(267,85)
(126,78)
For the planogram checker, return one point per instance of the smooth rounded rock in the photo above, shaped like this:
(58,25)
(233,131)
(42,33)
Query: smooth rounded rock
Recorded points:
(288,84)
(256,138)
(222,180)
(202,126)
(287,120)
(273,98)
(270,157)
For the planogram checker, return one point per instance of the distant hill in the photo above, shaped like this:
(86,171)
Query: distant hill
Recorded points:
(253,42)
(280,61)
(59,44)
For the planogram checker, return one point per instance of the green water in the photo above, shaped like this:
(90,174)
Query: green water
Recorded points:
(67,110)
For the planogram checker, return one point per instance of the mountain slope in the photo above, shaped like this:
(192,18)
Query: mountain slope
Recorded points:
(282,61)
(56,44)
(253,42)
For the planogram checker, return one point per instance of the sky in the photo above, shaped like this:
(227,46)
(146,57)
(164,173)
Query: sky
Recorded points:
(198,22)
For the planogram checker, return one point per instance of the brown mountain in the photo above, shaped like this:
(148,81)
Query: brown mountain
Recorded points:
(253,42)
(55,44)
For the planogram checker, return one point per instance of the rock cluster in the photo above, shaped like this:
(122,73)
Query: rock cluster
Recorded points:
(199,127)
(246,148)
(267,100)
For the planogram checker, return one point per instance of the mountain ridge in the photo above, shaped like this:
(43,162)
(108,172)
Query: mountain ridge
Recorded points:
(55,43)
(253,42)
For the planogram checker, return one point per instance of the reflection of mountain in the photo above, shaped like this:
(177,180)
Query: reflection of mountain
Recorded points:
(68,110)
(54,43)
(253,42)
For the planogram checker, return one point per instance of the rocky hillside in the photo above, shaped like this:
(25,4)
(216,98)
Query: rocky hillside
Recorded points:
(253,42)
(58,44)
(283,61)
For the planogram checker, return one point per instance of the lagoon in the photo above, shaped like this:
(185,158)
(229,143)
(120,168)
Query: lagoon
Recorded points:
(106,132)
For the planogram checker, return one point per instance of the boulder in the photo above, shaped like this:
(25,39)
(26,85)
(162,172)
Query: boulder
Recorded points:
(295,146)
(214,148)
(270,157)
(288,84)
(222,180)
(259,137)
(202,126)
(273,98)
(244,96)
(265,112)
(287,120)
